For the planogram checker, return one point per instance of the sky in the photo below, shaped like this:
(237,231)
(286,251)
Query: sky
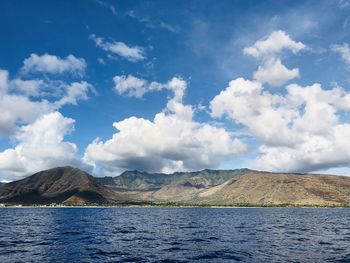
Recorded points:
(165,86)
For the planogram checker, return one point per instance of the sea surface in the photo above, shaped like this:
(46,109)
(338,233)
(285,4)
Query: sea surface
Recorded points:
(174,235)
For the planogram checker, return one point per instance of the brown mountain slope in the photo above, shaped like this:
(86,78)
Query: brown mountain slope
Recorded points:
(183,189)
(279,189)
(258,189)
(72,186)
(61,184)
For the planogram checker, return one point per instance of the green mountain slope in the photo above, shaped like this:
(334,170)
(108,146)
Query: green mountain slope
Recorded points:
(142,181)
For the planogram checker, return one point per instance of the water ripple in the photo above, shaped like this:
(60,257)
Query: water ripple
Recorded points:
(175,235)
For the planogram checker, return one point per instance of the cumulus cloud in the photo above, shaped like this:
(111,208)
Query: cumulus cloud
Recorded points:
(274,44)
(40,145)
(76,91)
(313,154)
(343,50)
(3,81)
(132,86)
(54,65)
(29,116)
(300,131)
(246,103)
(172,141)
(268,52)
(17,107)
(16,110)
(29,88)
(275,73)
(132,54)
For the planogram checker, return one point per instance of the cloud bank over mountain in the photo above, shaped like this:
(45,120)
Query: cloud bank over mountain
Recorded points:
(172,141)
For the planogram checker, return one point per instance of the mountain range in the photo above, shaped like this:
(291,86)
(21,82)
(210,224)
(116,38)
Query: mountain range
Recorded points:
(240,187)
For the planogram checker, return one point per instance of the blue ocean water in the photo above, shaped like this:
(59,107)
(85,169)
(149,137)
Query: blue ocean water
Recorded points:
(174,235)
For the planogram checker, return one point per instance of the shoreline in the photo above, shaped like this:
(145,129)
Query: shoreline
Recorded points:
(165,206)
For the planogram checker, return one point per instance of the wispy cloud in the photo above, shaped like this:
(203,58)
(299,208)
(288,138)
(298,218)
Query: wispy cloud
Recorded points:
(132,54)
(344,4)
(343,50)
(108,6)
(152,24)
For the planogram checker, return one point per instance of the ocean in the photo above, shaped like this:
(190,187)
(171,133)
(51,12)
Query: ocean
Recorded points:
(174,235)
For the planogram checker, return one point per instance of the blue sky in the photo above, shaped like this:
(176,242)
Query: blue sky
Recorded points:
(70,69)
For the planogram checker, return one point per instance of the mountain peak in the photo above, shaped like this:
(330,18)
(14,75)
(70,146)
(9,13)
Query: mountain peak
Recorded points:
(56,185)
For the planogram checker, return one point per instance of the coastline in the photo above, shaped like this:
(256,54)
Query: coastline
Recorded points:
(167,206)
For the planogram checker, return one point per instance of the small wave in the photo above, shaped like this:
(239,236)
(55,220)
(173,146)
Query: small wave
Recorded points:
(345,259)
(71,233)
(175,243)
(110,253)
(168,260)
(170,249)
(145,238)
(135,259)
(196,240)
(124,231)
(218,255)
(189,227)
(325,243)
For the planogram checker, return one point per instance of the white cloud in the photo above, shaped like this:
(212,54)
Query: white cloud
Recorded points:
(171,141)
(300,131)
(275,73)
(316,152)
(132,54)
(274,44)
(40,145)
(35,125)
(130,85)
(74,92)
(3,81)
(268,52)
(343,50)
(27,87)
(18,108)
(54,65)
(245,102)
(136,87)
(178,87)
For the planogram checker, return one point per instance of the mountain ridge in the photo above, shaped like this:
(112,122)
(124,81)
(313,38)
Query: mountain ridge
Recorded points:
(143,181)
(56,185)
(238,187)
